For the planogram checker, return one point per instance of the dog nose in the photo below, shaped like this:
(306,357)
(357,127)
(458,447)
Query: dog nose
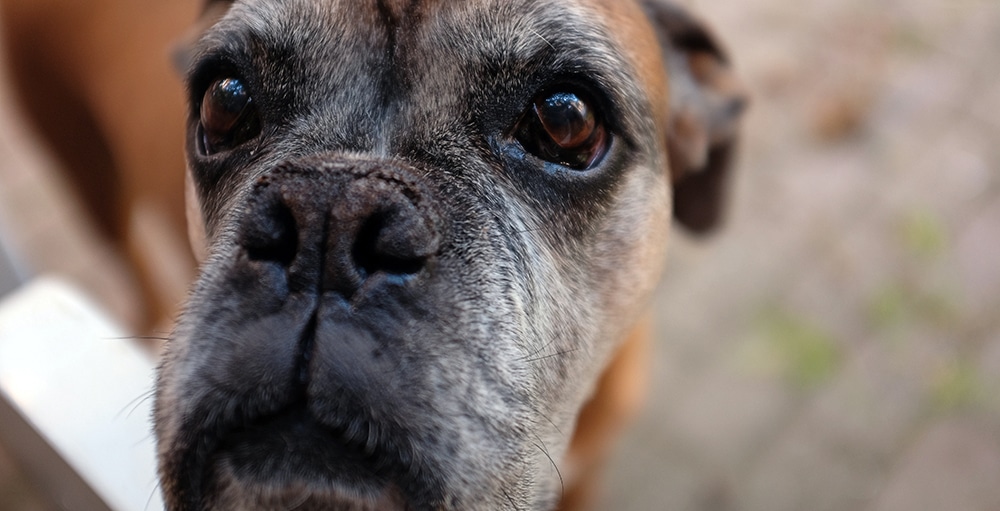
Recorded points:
(339,224)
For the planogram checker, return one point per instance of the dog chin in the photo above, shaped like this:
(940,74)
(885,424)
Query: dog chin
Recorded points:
(234,494)
(291,462)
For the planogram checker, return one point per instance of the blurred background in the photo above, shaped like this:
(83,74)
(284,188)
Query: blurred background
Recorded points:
(837,345)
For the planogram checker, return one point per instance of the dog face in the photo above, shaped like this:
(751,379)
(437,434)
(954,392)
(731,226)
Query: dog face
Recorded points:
(427,225)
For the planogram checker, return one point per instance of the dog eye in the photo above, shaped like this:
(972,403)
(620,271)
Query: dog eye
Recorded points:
(228,116)
(563,128)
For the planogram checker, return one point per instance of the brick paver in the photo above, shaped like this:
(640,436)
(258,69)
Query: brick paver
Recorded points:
(954,465)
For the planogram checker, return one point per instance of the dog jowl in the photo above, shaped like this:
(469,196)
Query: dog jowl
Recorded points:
(426,228)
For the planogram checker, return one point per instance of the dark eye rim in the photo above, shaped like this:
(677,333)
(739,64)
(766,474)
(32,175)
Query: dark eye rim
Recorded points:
(245,128)
(602,114)
(208,68)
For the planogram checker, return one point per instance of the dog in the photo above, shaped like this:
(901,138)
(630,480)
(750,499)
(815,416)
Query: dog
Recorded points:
(428,232)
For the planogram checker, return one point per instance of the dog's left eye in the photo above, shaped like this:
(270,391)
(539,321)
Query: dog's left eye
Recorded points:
(563,128)
(228,116)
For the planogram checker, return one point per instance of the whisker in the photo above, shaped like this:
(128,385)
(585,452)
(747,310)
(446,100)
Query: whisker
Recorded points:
(526,231)
(302,501)
(540,37)
(546,417)
(152,492)
(134,404)
(146,438)
(551,355)
(562,484)
(509,499)
(138,338)
(537,351)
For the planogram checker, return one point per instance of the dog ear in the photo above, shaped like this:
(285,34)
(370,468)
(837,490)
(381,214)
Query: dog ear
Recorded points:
(706,104)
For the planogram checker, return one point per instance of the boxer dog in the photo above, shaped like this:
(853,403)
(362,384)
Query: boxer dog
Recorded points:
(428,230)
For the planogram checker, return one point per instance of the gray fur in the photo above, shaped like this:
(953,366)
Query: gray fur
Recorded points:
(540,272)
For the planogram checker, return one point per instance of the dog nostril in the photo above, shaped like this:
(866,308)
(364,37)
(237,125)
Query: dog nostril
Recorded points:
(272,235)
(390,244)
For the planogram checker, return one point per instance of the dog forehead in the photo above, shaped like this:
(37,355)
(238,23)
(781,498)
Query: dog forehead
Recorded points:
(625,20)
(524,23)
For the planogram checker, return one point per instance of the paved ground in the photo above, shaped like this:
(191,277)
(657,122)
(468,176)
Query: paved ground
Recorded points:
(837,347)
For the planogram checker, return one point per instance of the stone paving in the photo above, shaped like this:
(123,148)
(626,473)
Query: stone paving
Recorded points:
(837,346)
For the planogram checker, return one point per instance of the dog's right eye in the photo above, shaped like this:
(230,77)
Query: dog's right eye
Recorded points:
(564,128)
(228,116)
